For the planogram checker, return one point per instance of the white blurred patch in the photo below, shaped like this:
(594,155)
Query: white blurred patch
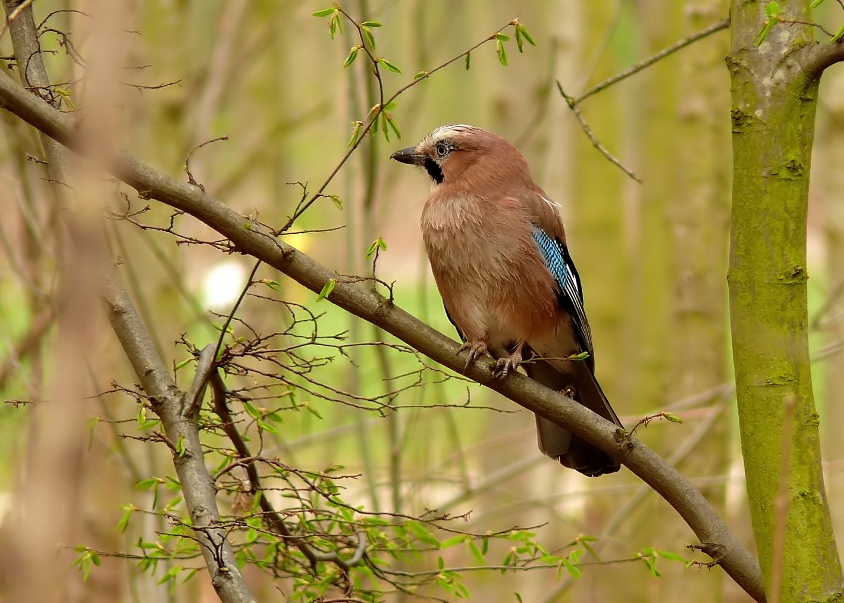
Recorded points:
(223,284)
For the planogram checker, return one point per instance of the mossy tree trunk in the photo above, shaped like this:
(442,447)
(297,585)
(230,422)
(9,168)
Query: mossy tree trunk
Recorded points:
(774,97)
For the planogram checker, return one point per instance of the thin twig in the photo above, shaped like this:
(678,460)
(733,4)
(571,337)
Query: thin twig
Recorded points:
(273,517)
(14,15)
(204,366)
(190,154)
(715,27)
(374,115)
(592,138)
(250,280)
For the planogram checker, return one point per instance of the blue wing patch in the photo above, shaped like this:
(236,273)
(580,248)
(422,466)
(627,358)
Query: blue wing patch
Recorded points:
(559,263)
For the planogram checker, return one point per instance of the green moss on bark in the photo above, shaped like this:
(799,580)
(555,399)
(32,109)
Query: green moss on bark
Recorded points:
(773,113)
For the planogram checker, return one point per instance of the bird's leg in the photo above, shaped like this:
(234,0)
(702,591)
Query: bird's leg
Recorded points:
(476,350)
(511,362)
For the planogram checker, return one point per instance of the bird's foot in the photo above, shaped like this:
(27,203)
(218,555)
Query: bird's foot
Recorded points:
(476,350)
(505,365)
(569,392)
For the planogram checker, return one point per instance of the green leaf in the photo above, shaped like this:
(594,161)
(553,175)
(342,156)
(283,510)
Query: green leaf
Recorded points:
(476,552)
(148,484)
(274,285)
(573,570)
(392,123)
(90,425)
(384,129)
(336,200)
(671,556)
(390,66)
(357,125)
(263,426)
(453,541)
(772,10)
(311,410)
(672,417)
(817,3)
(353,53)
(580,356)
(526,34)
(324,12)
(327,289)
(251,410)
(502,54)
(420,75)
(518,597)
(422,533)
(370,24)
(838,35)
(468,60)
(124,520)
(335,25)
(519,39)
(501,37)
(377,244)
(180,446)
(369,39)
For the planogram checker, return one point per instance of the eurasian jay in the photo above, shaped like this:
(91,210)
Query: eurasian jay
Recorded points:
(499,257)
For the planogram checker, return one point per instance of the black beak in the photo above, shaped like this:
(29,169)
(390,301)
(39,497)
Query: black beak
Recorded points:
(408,156)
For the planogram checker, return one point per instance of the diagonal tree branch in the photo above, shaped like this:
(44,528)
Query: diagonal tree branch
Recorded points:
(252,238)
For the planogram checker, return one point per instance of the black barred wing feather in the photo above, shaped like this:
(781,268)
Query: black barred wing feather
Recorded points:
(559,263)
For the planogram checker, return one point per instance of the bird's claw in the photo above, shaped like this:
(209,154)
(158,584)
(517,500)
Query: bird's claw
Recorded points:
(476,350)
(504,365)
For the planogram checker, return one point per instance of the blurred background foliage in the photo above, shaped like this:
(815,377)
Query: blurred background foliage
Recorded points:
(652,258)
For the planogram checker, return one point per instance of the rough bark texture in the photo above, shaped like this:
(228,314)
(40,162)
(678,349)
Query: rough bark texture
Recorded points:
(773,112)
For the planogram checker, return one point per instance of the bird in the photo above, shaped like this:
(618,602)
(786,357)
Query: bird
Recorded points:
(498,253)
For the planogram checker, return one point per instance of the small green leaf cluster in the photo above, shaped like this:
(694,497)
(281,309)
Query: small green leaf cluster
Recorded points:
(772,12)
(522,36)
(87,557)
(649,556)
(335,23)
(377,245)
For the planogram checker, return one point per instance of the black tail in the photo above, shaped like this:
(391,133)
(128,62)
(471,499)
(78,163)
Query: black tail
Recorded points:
(560,444)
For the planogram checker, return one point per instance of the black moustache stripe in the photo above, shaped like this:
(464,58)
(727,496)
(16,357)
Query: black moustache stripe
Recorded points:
(433,170)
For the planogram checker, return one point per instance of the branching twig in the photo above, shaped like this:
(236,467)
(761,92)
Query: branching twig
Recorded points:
(592,138)
(273,518)
(375,114)
(715,27)
(574,102)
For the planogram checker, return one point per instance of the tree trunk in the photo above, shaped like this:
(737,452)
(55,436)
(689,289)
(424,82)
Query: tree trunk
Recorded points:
(773,112)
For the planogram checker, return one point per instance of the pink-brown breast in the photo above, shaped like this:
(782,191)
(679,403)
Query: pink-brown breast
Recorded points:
(490,274)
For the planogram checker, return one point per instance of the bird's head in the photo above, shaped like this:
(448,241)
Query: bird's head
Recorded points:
(449,152)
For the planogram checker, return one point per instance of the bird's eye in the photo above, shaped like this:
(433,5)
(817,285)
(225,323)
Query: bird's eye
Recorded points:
(442,150)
